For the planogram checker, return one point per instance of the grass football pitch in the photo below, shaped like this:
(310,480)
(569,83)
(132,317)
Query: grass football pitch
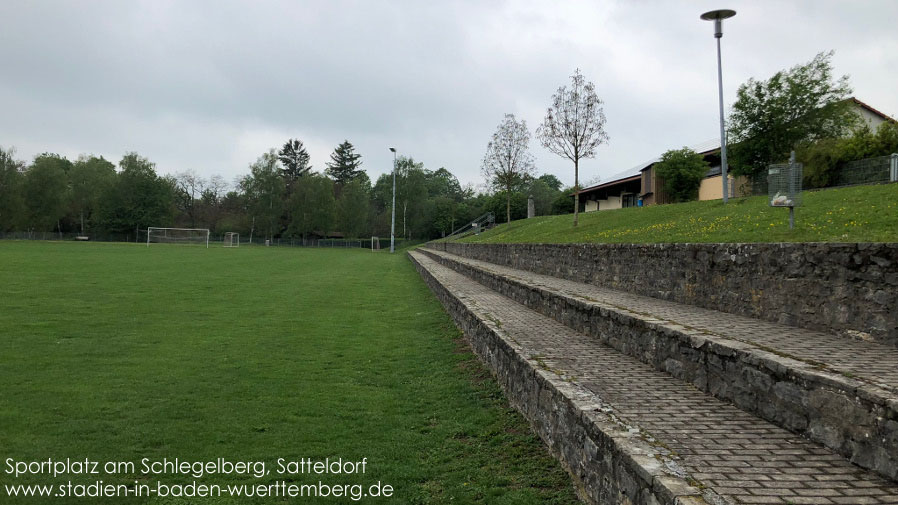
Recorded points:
(122,352)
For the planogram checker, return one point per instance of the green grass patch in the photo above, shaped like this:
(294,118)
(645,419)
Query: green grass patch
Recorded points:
(118,352)
(856,214)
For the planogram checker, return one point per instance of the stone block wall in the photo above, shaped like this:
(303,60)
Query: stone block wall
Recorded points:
(855,419)
(607,463)
(850,289)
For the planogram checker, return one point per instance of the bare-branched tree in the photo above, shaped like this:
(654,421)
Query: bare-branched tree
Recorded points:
(507,161)
(574,126)
(190,187)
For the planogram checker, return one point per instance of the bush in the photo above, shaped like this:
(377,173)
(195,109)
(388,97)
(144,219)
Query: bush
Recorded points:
(824,158)
(682,171)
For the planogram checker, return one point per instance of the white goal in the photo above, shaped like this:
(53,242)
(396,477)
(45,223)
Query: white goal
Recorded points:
(189,236)
(231,239)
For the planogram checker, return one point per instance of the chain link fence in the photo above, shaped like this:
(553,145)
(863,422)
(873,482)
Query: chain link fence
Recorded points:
(878,170)
(215,239)
(869,171)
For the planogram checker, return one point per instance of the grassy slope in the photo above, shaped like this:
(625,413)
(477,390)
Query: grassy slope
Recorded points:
(858,214)
(119,352)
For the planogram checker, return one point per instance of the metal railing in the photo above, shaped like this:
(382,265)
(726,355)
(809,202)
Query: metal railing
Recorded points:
(483,222)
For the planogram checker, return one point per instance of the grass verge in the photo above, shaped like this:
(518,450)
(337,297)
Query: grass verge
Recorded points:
(856,214)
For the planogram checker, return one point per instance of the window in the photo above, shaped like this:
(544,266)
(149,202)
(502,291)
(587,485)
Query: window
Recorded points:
(628,200)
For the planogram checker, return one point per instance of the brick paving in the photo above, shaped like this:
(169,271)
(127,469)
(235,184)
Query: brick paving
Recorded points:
(735,455)
(871,362)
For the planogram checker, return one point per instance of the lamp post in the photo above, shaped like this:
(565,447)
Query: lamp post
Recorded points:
(393,219)
(718,16)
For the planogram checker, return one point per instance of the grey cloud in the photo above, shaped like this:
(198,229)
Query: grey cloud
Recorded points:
(210,85)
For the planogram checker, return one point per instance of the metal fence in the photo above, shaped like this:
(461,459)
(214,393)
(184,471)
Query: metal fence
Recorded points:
(869,171)
(363,243)
(878,170)
(215,239)
(52,235)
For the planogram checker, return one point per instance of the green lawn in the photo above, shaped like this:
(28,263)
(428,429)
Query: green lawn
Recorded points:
(857,214)
(118,352)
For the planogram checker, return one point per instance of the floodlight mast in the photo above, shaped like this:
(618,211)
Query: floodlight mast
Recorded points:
(393,218)
(718,16)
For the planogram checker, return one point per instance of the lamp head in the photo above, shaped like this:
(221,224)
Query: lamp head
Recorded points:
(718,16)
(393,149)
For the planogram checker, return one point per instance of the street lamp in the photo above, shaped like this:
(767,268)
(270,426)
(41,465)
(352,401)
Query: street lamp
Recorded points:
(393,219)
(718,16)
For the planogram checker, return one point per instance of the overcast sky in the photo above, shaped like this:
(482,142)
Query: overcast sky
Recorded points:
(210,85)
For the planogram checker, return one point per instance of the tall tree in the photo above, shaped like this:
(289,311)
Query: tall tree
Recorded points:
(352,210)
(574,127)
(212,201)
(344,164)
(46,191)
(295,160)
(89,178)
(411,193)
(312,206)
(507,160)
(139,197)
(264,189)
(551,181)
(441,182)
(12,206)
(190,187)
(804,103)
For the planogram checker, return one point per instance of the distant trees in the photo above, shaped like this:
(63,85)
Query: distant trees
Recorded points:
(212,201)
(89,178)
(12,205)
(46,191)
(264,189)
(345,164)
(353,208)
(138,198)
(312,206)
(507,160)
(770,118)
(543,195)
(574,126)
(95,198)
(189,188)
(682,171)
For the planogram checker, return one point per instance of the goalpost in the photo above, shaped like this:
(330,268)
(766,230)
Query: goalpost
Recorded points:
(195,236)
(231,239)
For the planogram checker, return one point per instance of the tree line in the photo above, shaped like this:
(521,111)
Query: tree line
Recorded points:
(281,196)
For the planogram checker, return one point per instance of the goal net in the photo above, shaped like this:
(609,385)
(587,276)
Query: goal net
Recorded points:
(231,239)
(189,236)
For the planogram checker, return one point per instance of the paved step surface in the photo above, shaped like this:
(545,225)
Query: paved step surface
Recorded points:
(728,452)
(871,362)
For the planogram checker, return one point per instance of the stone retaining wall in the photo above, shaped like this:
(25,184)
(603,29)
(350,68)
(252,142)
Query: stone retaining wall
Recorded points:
(608,465)
(850,289)
(857,420)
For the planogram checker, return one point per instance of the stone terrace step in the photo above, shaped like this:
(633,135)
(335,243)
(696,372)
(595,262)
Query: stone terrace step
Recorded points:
(837,391)
(631,434)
